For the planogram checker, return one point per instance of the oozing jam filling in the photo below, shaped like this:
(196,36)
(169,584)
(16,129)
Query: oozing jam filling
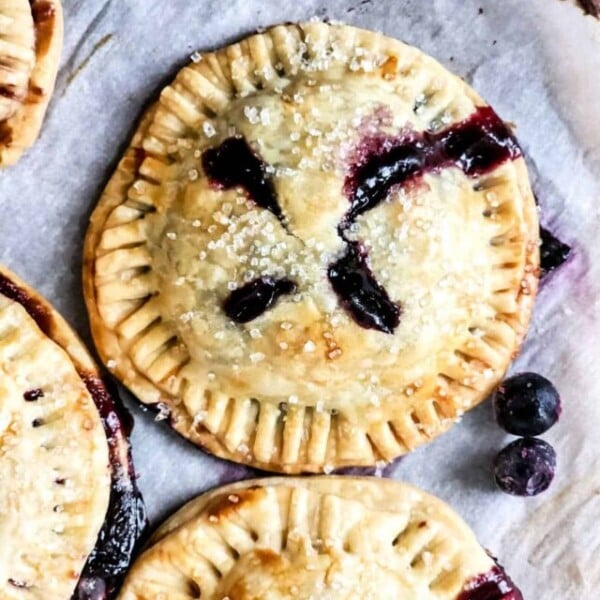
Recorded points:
(360,293)
(553,252)
(253,299)
(494,585)
(235,164)
(476,145)
(125,518)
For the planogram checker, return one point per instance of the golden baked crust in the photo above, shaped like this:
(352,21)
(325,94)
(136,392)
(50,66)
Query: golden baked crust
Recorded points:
(54,463)
(31,33)
(304,387)
(17,54)
(319,537)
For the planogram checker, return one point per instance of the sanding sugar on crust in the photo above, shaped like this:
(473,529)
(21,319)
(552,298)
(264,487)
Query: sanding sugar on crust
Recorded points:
(320,250)
(327,538)
(70,511)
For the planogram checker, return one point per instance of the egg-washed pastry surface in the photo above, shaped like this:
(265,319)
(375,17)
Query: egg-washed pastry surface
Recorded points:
(327,538)
(31,33)
(70,512)
(320,249)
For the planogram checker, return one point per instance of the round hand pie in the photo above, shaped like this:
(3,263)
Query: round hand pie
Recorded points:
(30,44)
(320,249)
(324,537)
(70,512)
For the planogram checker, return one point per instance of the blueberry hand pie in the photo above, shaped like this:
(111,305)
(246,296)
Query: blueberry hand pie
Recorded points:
(70,512)
(323,538)
(320,250)
(30,44)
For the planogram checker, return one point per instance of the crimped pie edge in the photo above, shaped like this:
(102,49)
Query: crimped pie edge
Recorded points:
(274,527)
(117,359)
(60,333)
(23,127)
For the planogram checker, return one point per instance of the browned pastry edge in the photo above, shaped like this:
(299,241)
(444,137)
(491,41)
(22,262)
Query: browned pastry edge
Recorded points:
(20,131)
(108,345)
(116,422)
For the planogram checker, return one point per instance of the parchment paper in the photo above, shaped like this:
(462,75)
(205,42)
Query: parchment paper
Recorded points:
(537,62)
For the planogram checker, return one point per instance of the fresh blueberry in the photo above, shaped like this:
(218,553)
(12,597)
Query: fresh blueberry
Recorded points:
(526,404)
(525,467)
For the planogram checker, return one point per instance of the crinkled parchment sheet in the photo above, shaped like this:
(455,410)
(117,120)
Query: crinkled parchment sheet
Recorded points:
(537,62)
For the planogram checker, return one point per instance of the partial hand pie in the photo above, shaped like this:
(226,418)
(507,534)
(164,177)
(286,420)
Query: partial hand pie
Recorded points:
(70,512)
(320,250)
(30,44)
(329,538)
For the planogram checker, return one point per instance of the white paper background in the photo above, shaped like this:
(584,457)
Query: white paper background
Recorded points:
(536,61)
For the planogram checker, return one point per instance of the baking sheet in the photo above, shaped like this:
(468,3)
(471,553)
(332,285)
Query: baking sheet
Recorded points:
(537,62)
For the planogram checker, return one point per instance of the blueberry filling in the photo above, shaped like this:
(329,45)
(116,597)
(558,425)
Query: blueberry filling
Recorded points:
(18,584)
(494,585)
(476,145)
(235,164)
(374,179)
(361,295)
(525,467)
(253,299)
(125,518)
(117,541)
(33,395)
(526,404)
(37,422)
(553,252)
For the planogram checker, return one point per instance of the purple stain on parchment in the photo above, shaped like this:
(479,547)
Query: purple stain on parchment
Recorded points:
(230,472)
(385,470)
